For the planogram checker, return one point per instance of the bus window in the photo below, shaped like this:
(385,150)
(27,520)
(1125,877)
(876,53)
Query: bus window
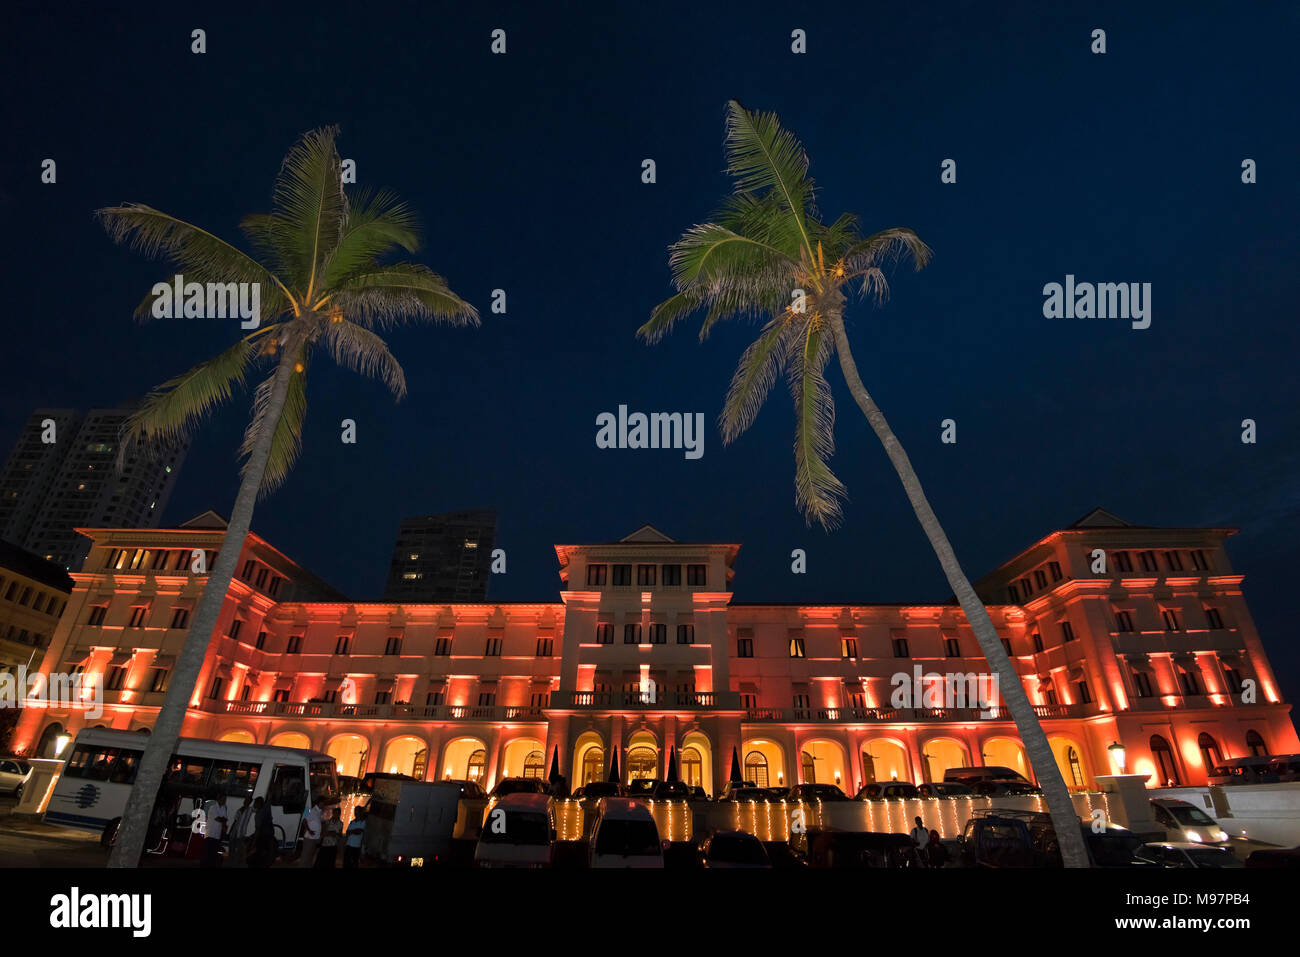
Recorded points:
(188,775)
(234,778)
(124,767)
(324,784)
(288,788)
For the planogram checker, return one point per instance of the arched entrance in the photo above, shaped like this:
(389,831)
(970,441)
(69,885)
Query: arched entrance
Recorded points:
(884,759)
(406,755)
(238,736)
(1007,753)
(48,746)
(291,739)
(822,762)
(940,754)
(588,759)
(464,759)
(695,761)
(1069,758)
(524,758)
(760,756)
(349,752)
(642,757)
(1166,765)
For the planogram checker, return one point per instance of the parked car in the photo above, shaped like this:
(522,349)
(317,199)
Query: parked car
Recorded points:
(856,849)
(733,786)
(733,850)
(1187,822)
(14,775)
(1251,770)
(1008,838)
(779,793)
(1274,857)
(753,795)
(643,787)
(672,790)
(624,835)
(1286,767)
(944,789)
(595,790)
(991,772)
(1187,854)
(518,832)
(519,786)
(1004,788)
(888,790)
(785,857)
(817,792)
(468,789)
(699,794)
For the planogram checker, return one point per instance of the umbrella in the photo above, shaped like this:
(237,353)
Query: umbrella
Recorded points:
(613,766)
(672,766)
(735,767)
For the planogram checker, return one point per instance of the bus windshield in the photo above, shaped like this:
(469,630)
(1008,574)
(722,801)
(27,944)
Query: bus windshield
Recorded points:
(324,784)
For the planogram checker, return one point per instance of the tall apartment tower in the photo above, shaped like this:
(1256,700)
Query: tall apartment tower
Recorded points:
(62,474)
(441,558)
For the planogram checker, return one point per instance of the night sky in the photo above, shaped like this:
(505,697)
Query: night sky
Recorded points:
(1123,167)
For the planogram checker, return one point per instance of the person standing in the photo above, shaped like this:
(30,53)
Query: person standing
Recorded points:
(217,817)
(240,828)
(935,850)
(920,837)
(311,833)
(332,833)
(355,834)
(263,835)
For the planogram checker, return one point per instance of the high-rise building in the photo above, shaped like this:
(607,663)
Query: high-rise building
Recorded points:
(63,473)
(442,557)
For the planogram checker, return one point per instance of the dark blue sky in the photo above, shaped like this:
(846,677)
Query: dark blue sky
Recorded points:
(526,170)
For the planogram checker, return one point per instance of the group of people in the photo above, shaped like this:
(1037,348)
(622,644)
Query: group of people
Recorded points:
(251,839)
(929,846)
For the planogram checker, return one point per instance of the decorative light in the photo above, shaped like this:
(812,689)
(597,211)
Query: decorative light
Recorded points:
(61,744)
(1118,754)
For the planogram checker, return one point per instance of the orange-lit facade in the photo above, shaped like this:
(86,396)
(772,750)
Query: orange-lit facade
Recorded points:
(646,653)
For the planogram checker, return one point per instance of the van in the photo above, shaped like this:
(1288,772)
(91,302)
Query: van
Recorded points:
(1186,822)
(1252,770)
(518,832)
(624,835)
(973,776)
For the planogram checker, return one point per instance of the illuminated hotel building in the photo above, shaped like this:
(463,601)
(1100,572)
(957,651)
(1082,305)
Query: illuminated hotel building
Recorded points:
(646,653)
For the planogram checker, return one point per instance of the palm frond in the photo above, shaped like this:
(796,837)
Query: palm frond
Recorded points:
(387,294)
(376,223)
(714,256)
(757,370)
(818,493)
(197,254)
(308,205)
(762,155)
(665,315)
(287,440)
(173,409)
(360,350)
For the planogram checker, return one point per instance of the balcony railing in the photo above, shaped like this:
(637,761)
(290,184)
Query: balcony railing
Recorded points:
(644,700)
(904,714)
(433,712)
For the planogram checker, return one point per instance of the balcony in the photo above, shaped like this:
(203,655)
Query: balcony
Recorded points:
(373,712)
(903,715)
(641,701)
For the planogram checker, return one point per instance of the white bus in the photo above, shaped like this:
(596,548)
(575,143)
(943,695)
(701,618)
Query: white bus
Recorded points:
(97,776)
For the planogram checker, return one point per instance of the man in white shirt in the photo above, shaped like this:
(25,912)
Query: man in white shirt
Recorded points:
(217,816)
(920,835)
(311,830)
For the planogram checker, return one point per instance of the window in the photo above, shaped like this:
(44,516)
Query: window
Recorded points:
(236,627)
(1213,617)
(1013,593)
(545,647)
(1233,677)
(744,647)
(1055,568)
(180,617)
(294,645)
(330,696)
(393,646)
(900,648)
(97,615)
(1038,643)
(442,647)
(383,697)
(645,574)
(276,582)
(138,614)
(596,574)
(605,633)
(658,634)
(1049,695)
(756,768)
(1171,620)
(1006,646)
(697,574)
(493,648)
(341,644)
(116,678)
(160,561)
(672,574)
(848,647)
(1209,751)
(1076,768)
(217,684)
(748,701)
(622,575)
(801,702)
(158,681)
(487,699)
(1123,620)
(1148,559)
(1085,696)
(1164,756)
(281,696)
(952,648)
(1123,562)
(1187,679)
(261,641)
(182,561)
(1199,561)
(1142,684)
(1255,744)
(261,578)
(1174,561)
(1067,631)
(685,634)
(435,698)
(247,573)
(796,647)
(1040,579)
(632,633)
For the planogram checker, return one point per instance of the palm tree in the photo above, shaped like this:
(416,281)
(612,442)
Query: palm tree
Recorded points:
(322,283)
(768,255)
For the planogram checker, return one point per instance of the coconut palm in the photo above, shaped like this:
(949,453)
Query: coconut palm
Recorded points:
(768,255)
(317,257)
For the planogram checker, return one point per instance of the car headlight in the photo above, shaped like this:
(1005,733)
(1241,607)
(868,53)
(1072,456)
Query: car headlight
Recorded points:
(1194,836)
(1220,835)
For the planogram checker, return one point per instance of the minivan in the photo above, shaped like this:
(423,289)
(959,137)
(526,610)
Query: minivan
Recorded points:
(518,832)
(624,835)
(992,772)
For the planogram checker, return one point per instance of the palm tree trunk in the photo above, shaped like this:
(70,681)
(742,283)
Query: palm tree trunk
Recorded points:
(180,689)
(1065,821)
